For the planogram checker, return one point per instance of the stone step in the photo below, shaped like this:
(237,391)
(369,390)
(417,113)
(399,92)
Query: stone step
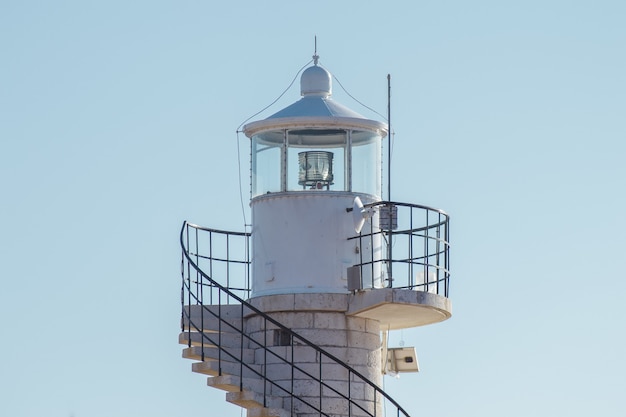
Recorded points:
(268,412)
(250,399)
(225,353)
(212,339)
(211,325)
(230,383)
(212,368)
(230,315)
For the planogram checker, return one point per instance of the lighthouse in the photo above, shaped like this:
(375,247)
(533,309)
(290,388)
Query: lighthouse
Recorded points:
(291,317)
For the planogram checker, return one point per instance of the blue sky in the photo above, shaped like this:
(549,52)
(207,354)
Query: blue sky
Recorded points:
(118,120)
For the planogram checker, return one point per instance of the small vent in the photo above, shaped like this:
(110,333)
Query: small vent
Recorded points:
(282,338)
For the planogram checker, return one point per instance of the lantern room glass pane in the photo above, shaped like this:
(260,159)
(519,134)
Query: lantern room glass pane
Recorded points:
(366,163)
(265,166)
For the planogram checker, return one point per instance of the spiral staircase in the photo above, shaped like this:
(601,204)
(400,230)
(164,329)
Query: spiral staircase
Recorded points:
(215,332)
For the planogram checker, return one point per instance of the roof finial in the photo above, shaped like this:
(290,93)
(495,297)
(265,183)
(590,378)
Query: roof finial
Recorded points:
(315,56)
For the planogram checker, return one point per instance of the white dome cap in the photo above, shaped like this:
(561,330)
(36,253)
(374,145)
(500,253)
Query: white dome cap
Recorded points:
(316,81)
(316,109)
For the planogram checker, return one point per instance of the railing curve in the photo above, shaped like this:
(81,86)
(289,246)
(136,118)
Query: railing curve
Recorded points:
(414,244)
(192,292)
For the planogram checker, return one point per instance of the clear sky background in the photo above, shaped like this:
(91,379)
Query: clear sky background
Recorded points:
(117,123)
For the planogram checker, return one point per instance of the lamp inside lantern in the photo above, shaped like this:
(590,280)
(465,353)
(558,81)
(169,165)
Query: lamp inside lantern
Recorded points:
(316,169)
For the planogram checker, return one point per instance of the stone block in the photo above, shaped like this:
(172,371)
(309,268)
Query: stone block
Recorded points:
(272,303)
(285,354)
(363,340)
(321,302)
(357,324)
(324,338)
(294,320)
(329,320)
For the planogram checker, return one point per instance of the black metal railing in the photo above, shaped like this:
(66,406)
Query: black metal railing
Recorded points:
(355,392)
(221,254)
(405,246)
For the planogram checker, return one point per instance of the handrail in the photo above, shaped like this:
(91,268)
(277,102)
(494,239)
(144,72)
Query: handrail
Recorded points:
(420,234)
(197,297)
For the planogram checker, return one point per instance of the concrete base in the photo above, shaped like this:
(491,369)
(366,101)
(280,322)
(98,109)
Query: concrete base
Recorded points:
(392,308)
(399,309)
(320,319)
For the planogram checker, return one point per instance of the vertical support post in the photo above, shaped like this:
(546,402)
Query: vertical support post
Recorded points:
(320,378)
(411,259)
(292,377)
(241,333)
(211,265)
(264,363)
(228,265)
(426,253)
(348,162)
(219,333)
(349,396)
(283,162)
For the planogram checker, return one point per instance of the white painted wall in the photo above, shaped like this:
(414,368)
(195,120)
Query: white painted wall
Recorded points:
(300,242)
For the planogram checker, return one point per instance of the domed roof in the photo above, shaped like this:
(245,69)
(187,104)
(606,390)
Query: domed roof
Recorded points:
(316,108)
(316,90)
(316,81)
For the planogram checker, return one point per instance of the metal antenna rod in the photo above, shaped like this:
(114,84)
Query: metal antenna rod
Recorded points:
(315,56)
(389,207)
(389,138)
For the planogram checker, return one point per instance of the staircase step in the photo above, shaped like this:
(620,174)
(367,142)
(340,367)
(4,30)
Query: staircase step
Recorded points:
(212,368)
(250,399)
(213,354)
(230,383)
(211,339)
(231,313)
(212,325)
(268,412)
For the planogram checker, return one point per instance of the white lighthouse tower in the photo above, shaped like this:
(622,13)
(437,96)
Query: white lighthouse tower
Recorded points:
(288,318)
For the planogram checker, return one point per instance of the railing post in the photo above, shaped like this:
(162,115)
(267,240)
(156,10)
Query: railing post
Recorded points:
(376,402)
(247,292)
(349,395)
(201,279)
(447,261)
(198,283)
(227,265)
(320,379)
(265,362)
(241,333)
(293,374)
(188,291)
(211,265)
(372,269)
(219,331)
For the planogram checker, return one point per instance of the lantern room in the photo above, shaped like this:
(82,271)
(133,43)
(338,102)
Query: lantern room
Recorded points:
(316,144)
